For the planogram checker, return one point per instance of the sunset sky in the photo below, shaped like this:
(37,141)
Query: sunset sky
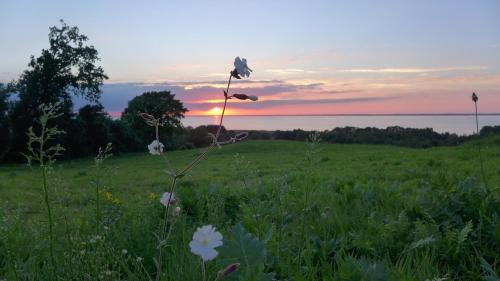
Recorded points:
(309,57)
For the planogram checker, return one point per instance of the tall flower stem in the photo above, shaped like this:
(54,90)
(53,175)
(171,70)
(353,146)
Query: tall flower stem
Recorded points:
(479,147)
(49,215)
(203,270)
(157,134)
(98,208)
(164,229)
(200,157)
(482,171)
(181,173)
(46,195)
(45,158)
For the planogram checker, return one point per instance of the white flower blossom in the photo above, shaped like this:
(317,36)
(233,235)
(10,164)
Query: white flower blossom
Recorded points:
(204,242)
(167,199)
(241,67)
(155,148)
(124,251)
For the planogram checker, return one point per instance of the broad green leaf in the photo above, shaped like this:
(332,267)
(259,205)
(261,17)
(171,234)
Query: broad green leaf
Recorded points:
(247,250)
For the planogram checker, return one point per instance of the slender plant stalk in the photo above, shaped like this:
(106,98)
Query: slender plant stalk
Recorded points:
(98,222)
(216,138)
(12,265)
(46,197)
(98,208)
(49,214)
(203,270)
(157,125)
(164,230)
(482,174)
(180,174)
(70,243)
(479,148)
(45,158)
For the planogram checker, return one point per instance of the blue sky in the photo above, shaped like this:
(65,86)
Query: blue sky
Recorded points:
(349,56)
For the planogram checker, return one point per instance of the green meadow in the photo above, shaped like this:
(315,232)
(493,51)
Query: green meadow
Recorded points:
(287,211)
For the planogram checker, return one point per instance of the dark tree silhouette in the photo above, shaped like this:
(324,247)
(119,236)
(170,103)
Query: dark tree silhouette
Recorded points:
(5,128)
(162,105)
(68,67)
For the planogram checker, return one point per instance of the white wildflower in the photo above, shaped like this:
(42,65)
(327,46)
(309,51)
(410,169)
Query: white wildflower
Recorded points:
(167,198)
(241,67)
(204,242)
(124,251)
(155,148)
(139,259)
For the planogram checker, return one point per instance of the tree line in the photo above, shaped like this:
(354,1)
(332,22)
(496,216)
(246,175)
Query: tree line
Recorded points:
(395,135)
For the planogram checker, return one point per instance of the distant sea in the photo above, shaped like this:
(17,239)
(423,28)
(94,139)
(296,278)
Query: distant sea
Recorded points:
(461,124)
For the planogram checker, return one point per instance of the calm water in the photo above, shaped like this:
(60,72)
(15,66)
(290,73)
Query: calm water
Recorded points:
(440,123)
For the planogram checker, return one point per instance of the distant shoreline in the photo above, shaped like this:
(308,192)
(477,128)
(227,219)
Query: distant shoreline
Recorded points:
(326,115)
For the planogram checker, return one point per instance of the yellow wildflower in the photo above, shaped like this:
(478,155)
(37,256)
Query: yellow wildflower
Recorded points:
(152,196)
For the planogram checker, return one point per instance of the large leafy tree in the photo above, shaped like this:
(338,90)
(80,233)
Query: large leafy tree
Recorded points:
(67,68)
(161,105)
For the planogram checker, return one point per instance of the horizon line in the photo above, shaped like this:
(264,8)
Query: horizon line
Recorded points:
(353,114)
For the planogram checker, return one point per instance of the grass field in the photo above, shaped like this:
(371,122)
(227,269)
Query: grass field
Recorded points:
(308,212)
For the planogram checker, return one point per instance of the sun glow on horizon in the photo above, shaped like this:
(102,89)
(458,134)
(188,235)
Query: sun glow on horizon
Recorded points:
(215,111)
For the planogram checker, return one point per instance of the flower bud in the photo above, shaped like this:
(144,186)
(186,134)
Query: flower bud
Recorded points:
(228,270)
(241,96)
(474,97)
(177,211)
(245,97)
(235,74)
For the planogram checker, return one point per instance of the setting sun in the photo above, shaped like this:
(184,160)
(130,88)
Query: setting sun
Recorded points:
(215,111)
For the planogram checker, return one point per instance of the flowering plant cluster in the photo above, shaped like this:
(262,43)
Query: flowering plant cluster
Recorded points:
(206,238)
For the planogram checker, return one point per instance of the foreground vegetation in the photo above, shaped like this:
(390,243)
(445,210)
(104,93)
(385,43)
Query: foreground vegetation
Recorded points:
(286,210)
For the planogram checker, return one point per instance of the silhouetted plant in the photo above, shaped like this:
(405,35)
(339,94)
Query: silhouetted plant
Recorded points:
(156,148)
(475,99)
(41,150)
(102,155)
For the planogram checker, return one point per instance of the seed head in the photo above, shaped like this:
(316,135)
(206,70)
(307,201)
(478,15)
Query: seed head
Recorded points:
(474,97)
(149,119)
